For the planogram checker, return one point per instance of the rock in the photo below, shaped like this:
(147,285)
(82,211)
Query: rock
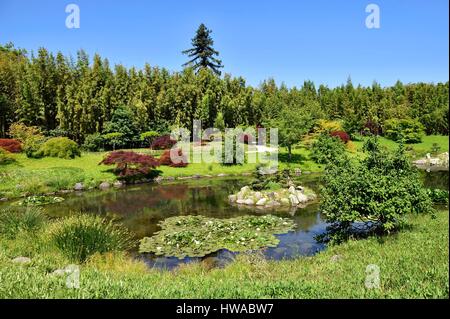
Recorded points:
(240,201)
(297,172)
(292,190)
(249,202)
(58,272)
(232,198)
(4,199)
(78,187)
(246,174)
(240,196)
(104,185)
(159,179)
(261,202)
(197,176)
(169,178)
(21,260)
(336,258)
(293,199)
(272,195)
(285,202)
(273,203)
(257,196)
(245,189)
(300,188)
(302,198)
(118,184)
(222,175)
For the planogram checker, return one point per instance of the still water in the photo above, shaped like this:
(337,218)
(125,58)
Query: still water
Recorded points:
(140,208)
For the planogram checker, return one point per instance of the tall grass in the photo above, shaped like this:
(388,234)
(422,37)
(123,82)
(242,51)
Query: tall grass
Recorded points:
(79,237)
(13,221)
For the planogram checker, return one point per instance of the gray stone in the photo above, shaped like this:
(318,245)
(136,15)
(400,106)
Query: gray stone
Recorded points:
(58,272)
(292,190)
(297,172)
(249,201)
(300,188)
(78,187)
(158,179)
(232,198)
(261,202)
(293,199)
(118,184)
(240,201)
(222,175)
(273,203)
(169,178)
(302,198)
(4,199)
(285,202)
(21,260)
(104,185)
(257,196)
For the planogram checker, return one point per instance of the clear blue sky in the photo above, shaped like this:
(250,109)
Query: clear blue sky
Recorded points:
(290,40)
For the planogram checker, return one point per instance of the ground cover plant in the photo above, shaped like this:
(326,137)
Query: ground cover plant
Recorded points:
(197,236)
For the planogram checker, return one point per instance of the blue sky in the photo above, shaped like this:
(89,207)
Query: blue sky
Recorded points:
(290,40)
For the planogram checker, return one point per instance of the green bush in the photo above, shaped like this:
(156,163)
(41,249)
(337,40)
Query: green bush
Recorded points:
(372,195)
(5,157)
(326,148)
(78,237)
(61,147)
(114,139)
(148,137)
(14,221)
(31,137)
(406,130)
(93,143)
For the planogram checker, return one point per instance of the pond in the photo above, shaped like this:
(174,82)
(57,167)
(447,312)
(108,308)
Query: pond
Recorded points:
(141,207)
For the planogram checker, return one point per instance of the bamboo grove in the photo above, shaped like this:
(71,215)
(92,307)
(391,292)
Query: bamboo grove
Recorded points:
(77,96)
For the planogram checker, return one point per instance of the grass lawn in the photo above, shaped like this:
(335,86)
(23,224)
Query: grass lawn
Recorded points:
(413,264)
(40,176)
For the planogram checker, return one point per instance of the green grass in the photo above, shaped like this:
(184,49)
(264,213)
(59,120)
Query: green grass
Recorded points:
(418,150)
(413,264)
(40,176)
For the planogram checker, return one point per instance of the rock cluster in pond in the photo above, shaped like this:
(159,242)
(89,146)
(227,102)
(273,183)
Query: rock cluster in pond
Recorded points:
(293,197)
(442,160)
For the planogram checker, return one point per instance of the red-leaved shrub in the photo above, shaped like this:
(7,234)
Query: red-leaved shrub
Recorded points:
(342,135)
(162,143)
(246,138)
(167,161)
(10,145)
(131,164)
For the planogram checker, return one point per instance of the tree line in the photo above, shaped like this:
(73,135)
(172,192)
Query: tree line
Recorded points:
(75,97)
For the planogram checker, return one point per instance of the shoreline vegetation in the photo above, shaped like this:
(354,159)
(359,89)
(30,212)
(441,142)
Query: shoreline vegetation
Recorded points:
(56,176)
(413,264)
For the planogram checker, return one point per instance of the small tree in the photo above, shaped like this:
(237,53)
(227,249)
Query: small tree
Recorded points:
(326,148)
(31,137)
(131,165)
(113,139)
(371,195)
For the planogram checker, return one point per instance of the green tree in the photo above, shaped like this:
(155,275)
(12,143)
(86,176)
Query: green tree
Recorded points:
(202,51)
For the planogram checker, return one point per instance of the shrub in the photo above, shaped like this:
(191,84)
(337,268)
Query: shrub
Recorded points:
(14,221)
(131,165)
(406,130)
(162,143)
(61,147)
(79,237)
(438,196)
(30,137)
(148,137)
(326,148)
(371,128)
(342,135)
(166,159)
(114,139)
(10,145)
(6,157)
(93,142)
(373,194)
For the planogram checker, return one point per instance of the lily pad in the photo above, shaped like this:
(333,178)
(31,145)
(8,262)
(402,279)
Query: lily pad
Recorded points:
(39,200)
(198,236)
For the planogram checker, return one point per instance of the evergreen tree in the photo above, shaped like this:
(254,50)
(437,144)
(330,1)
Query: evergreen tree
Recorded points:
(202,52)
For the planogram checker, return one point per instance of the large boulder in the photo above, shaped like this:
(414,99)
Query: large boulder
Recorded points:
(104,185)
